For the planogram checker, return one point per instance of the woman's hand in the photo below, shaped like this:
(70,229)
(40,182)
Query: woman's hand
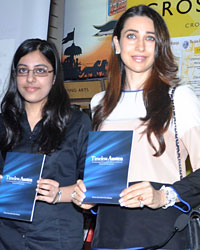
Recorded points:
(78,195)
(142,194)
(47,190)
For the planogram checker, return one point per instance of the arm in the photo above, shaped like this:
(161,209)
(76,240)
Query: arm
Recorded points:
(189,188)
(81,146)
(53,191)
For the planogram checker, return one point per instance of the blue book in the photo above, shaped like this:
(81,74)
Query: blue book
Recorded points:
(106,165)
(17,188)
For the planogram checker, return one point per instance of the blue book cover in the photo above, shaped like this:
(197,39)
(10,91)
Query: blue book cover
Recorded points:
(17,188)
(106,165)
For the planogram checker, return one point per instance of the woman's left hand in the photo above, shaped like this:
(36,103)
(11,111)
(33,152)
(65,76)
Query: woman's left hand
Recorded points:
(47,190)
(142,194)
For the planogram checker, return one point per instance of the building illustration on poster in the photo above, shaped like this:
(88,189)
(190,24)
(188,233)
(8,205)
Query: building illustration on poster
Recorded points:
(87,37)
(72,66)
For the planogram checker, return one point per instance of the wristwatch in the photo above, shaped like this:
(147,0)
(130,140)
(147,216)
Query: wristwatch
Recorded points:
(170,195)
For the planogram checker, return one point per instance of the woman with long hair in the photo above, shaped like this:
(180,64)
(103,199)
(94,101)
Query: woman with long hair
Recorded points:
(37,118)
(142,77)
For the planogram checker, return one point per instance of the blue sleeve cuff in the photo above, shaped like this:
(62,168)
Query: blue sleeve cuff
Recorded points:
(93,212)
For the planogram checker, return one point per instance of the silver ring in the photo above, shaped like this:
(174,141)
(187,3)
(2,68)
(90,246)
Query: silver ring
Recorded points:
(73,194)
(141,204)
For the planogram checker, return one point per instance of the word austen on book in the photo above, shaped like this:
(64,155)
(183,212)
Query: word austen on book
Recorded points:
(107,165)
(17,188)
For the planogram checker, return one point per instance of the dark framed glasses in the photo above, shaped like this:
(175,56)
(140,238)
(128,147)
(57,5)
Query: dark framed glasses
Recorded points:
(37,71)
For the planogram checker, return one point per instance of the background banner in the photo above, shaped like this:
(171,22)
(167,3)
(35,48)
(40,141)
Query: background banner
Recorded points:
(181,16)
(88,31)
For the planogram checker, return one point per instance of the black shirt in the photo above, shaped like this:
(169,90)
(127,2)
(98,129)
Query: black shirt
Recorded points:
(58,226)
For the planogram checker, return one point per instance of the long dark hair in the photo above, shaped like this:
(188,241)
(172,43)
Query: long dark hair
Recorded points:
(56,111)
(156,88)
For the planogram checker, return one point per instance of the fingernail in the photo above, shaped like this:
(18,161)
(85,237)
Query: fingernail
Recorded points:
(122,204)
(82,198)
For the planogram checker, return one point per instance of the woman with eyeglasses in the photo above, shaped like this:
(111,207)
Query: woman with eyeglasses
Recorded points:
(37,118)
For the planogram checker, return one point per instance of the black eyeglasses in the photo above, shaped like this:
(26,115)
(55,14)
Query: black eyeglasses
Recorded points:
(37,71)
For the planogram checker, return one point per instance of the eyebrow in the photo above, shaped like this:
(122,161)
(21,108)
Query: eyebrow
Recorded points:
(38,65)
(132,30)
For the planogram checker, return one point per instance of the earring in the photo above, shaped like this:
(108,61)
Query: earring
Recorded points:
(117,52)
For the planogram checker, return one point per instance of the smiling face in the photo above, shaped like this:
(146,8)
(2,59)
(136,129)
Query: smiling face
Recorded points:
(137,45)
(34,89)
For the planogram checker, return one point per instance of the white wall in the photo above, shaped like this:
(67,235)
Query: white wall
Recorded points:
(19,20)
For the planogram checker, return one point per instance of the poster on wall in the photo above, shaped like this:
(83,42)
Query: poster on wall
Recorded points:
(116,6)
(88,28)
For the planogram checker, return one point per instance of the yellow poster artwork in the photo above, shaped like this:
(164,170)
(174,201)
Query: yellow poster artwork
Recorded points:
(181,16)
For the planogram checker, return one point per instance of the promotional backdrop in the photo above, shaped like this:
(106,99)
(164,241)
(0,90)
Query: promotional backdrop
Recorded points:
(88,30)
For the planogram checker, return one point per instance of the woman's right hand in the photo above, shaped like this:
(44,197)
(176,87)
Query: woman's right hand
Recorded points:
(78,196)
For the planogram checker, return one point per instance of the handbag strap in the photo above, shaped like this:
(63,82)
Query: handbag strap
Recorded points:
(176,133)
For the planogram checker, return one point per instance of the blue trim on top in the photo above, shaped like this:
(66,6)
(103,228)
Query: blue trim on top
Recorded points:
(132,90)
(184,202)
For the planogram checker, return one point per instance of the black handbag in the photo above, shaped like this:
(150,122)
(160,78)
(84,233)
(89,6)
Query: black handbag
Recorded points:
(194,229)
(194,215)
